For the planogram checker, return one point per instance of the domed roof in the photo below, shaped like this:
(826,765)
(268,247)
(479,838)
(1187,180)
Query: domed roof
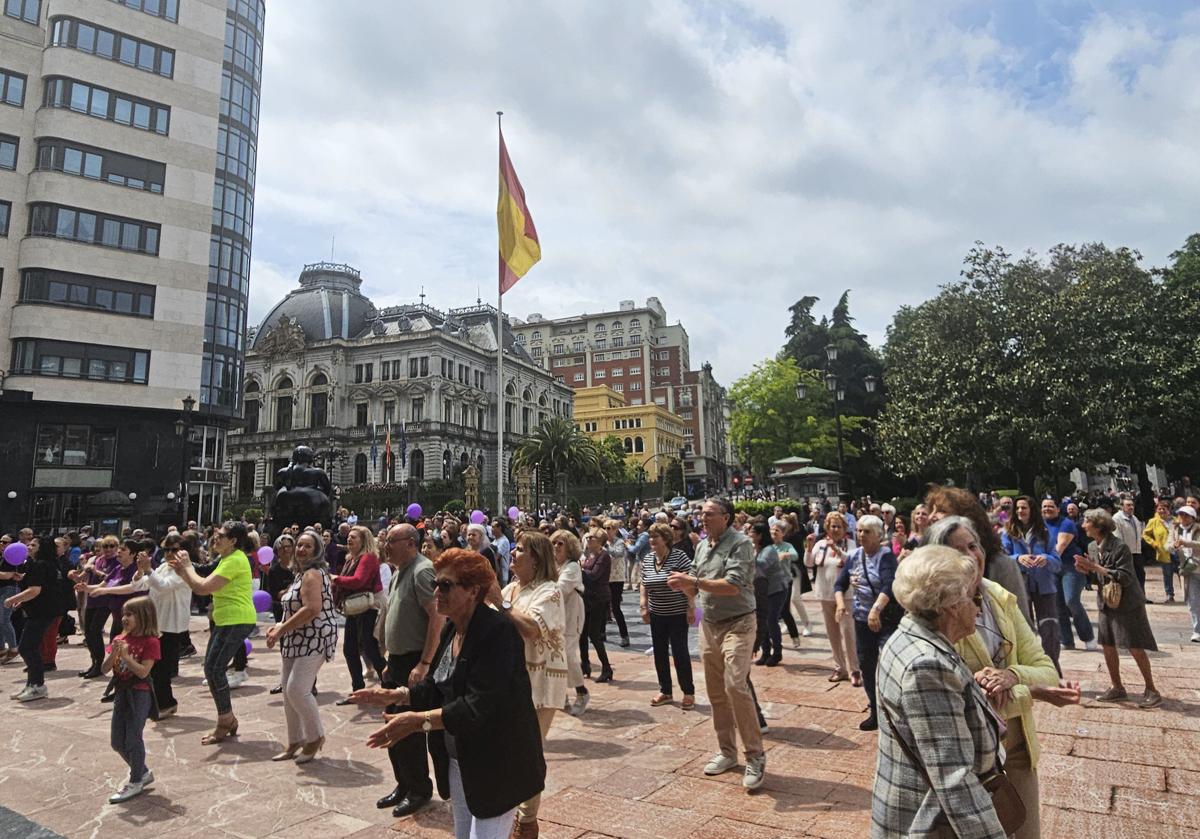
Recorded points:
(328,304)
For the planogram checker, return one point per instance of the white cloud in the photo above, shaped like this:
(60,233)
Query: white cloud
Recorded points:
(728,160)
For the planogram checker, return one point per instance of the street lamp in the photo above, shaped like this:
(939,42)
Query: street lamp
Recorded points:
(182,428)
(837,390)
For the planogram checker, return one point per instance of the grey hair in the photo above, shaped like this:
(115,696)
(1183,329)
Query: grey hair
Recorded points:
(482,531)
(932,578)
(871,523)
(940,531)
(318,558)
(283,536)
(1101,518)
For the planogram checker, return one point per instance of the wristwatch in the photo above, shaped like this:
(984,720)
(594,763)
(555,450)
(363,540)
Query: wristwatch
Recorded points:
(427,726)
(506,605)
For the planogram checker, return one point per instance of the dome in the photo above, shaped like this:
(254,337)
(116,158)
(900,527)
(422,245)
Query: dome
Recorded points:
(328,304)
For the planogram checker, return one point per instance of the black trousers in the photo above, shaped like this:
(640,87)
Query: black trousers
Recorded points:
(94,618)
(360,640)
(595,617)
(30,648)
(1139,569)
(616,589)
(868,644)
(170,643)
(669,636)
(410,766)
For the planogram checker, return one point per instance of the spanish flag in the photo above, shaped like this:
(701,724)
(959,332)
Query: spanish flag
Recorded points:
(387,449)
(519,246)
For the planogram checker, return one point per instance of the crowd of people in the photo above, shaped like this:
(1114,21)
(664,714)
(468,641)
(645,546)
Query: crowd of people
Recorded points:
(951,619)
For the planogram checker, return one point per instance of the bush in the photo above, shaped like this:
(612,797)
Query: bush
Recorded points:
(904,504)
(766,508)
(455,507)
(254,515)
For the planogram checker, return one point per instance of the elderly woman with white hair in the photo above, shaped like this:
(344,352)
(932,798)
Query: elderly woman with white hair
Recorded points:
(1009,664)
(867,576)
(1123,620)
(478,541)
(940,740)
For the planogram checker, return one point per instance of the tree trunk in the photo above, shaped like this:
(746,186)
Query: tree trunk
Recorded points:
(1026,475)
(1145,500)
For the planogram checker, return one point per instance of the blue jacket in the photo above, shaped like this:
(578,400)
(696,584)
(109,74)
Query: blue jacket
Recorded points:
(1037,580)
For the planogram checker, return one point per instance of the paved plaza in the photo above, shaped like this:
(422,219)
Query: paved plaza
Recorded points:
(622,770)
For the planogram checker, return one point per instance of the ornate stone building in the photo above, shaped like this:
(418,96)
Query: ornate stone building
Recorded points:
(329,369)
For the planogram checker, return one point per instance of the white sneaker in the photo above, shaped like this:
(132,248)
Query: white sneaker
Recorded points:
(580,704)
(806,632)
(32,692)
(756,767)
(237,678)
(147,779)
(1091,646)
(1196,637)
(204,683)
(130,790)
(719,764)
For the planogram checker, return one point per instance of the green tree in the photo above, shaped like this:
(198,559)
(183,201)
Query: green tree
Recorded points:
(613,467)
(558,447)
(1181,309)
(672,479)
(1029,367)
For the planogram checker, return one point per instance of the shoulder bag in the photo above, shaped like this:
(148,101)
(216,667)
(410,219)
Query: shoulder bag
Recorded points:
(893,611)
(356,603)
(1006,801)
(1110,592)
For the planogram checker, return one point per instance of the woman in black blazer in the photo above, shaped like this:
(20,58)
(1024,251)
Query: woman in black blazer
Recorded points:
(477,696)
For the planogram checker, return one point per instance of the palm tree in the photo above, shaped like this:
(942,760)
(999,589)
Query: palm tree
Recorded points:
(558,447)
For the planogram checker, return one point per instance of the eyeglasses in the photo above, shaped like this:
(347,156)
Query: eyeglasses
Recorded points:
(443,585)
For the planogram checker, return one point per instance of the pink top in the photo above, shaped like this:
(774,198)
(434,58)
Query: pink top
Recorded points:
(364,576)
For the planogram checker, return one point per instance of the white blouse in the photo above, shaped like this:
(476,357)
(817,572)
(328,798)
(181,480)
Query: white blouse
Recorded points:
(545,655)
(170,595)
(826,559)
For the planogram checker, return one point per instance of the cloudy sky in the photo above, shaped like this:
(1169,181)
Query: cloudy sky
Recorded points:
(728,158)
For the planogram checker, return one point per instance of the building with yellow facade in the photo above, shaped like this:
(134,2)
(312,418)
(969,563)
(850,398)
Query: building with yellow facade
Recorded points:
(651,434)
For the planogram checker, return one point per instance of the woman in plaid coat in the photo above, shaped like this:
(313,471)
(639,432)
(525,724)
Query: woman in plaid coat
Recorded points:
(929,700)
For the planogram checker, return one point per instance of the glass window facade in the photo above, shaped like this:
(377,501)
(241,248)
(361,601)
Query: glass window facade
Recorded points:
(166,9)
(29,11)
(115,46)
(68,359)
(110,105)
(59,222)
(12,88)
(72,158)
(75,445)
(63,288)
(8,151)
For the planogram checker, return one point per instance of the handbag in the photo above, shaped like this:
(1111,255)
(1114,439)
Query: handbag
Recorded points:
(1112,594)
(893,611)
(1006,801)
(354,604)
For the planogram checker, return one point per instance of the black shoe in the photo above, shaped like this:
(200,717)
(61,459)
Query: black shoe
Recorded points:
(391,799)
(606,675)
(410,805)
(869,724)
(50,668)
(187,653)
(91,673)
(624,640)
(761,660)
(108,697)
(774,660)
(278,689)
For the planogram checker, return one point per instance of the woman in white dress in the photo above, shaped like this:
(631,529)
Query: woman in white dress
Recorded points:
(826,557)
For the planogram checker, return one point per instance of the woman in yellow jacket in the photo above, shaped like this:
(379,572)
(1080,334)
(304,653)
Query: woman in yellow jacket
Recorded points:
(1155,535)
(1009,663)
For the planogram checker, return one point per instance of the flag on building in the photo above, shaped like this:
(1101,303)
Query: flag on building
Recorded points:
(387,450)
(403,447)
(374,448)
(519,246)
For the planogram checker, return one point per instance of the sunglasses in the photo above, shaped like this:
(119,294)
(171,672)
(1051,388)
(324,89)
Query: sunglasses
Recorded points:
(444,585)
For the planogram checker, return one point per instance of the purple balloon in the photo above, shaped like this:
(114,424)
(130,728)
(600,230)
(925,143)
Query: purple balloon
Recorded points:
(513,513)
(261,601)
(249,646)
(413,511)
(265,555)
(477,517)
(16,553)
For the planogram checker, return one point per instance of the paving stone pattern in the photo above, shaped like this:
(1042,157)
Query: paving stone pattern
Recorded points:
(622,770)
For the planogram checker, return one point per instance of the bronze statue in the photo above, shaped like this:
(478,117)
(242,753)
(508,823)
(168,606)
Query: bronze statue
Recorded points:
(303,494)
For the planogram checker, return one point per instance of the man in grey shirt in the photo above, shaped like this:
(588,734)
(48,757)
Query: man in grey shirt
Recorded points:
(722,579)
(1129,531)
(412,629)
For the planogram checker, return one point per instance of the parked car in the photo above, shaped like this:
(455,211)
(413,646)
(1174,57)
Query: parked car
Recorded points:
(677,503)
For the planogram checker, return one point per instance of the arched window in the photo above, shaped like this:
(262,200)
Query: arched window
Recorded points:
(284,384)
(251,406)
(360,468)
(527,395)
(417,469)
(629,445)
(479,466)
(600,328)
(465,460)
(283,413)
(510,390)
(635,323)
(638,445)
(319,380)
(446,461)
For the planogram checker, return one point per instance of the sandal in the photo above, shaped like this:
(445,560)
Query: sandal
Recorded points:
(856,679)
(688,703)
(220,734)
(837,676)
(661,699)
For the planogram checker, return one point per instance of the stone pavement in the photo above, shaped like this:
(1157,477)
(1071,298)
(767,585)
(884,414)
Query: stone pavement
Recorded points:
(622,770)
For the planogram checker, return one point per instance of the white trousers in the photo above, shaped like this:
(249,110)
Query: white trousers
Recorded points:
(299,705)
(467,826)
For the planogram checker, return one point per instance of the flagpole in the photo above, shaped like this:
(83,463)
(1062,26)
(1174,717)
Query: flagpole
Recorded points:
(499,362)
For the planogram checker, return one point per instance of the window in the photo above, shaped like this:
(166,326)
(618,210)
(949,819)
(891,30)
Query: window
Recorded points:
(577,345)
(96,40)
(389,412)
(578,377)
(93,228)
(319,410)
(418,410)
(283,413)
(636,370)
(635,323)
(537,352)
(635,385)
(103,103)
(67,359)
(559,349)
(360,415)
(618,371)
(168,9)
(360,468)
(618,387)
(629,445)
(62,288)
(638,445)
(29,11)
(416,468)
(664,371)
(12,88)
(616,325)
(599,374)
(73,158)
(636,401)
(521,338)
(418,367)
(8,151)
(687,415)
(5,213)
(251,409)
(75,445)
(635,338)
(233,207)
(370,371)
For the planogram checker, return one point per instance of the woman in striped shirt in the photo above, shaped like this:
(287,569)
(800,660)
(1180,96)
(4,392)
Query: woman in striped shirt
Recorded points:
(669,614)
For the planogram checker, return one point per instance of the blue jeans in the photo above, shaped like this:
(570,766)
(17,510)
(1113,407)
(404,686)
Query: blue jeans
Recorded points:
(1169,570)
(130,710)
(1071,610)
(8,635)
(222,644)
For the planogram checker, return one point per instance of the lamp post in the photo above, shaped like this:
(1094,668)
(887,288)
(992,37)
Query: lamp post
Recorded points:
(183,427)
(838,389)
